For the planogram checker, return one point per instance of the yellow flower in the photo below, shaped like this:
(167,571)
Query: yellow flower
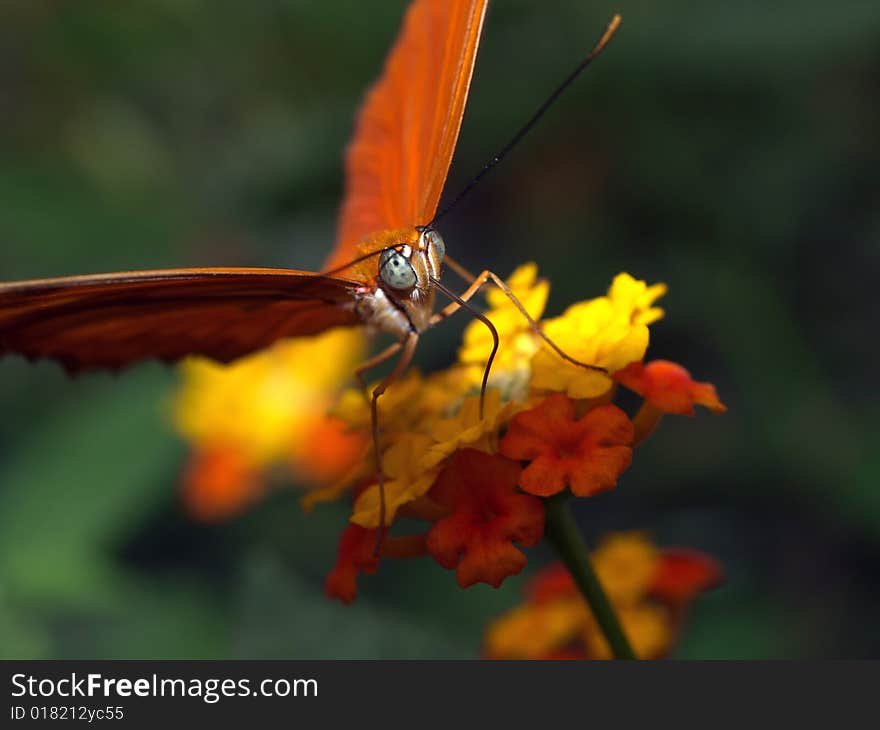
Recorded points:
(443,394)
(609,331)
(266,404)
(635,299)
(417,433)
(399,406)
(407,480)
(411,404)
(467,428)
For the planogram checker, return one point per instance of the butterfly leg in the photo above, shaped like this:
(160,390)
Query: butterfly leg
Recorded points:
(373,362)
(458,269)
(408,347)
(487,276)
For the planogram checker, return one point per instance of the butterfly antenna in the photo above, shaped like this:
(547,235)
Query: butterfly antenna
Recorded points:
(526,128)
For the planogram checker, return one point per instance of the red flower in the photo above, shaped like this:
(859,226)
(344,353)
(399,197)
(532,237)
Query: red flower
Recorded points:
(218,483)
(486,516)
(356,555)
(588,454)
(683,574)
(669,387)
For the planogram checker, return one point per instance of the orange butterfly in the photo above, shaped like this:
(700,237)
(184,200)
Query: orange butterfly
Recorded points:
(383,272)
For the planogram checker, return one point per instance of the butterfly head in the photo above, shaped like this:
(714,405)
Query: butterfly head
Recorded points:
(408,266)
(400,297)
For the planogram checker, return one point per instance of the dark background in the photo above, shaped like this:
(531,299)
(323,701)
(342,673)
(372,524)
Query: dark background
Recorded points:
(728,149)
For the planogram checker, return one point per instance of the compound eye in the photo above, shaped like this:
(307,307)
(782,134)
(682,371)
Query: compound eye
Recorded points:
(396,271)
(435,241)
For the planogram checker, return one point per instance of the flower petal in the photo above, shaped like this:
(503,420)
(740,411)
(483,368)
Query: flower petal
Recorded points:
(516,344)
(609,331)
(669,387)
(332,451)
(683,573)
(356,555)
(649,630)
(551,582)
(486,516)
(587,455)
(626,563)
(264,404)
(533,631)
(219,482)
(635,299)
(467,427)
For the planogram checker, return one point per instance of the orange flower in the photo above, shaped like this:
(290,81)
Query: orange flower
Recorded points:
(333,448)
(587,455)
(486,516)
(669,387)
(219,482)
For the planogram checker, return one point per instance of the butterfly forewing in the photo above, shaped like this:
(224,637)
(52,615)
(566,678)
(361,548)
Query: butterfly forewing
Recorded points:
(408,126)
(113,320)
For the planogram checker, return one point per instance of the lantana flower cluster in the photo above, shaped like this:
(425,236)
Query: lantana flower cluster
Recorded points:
(478,481)
(650,588)
(475,478)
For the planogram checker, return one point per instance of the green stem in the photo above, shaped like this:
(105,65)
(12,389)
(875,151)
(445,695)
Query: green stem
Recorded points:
(562,533)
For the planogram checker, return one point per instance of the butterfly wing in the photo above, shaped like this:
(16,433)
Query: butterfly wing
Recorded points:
(113,320)
(408,126)
(395,171)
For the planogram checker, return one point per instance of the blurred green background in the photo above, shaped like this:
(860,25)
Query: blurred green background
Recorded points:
(728,149)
